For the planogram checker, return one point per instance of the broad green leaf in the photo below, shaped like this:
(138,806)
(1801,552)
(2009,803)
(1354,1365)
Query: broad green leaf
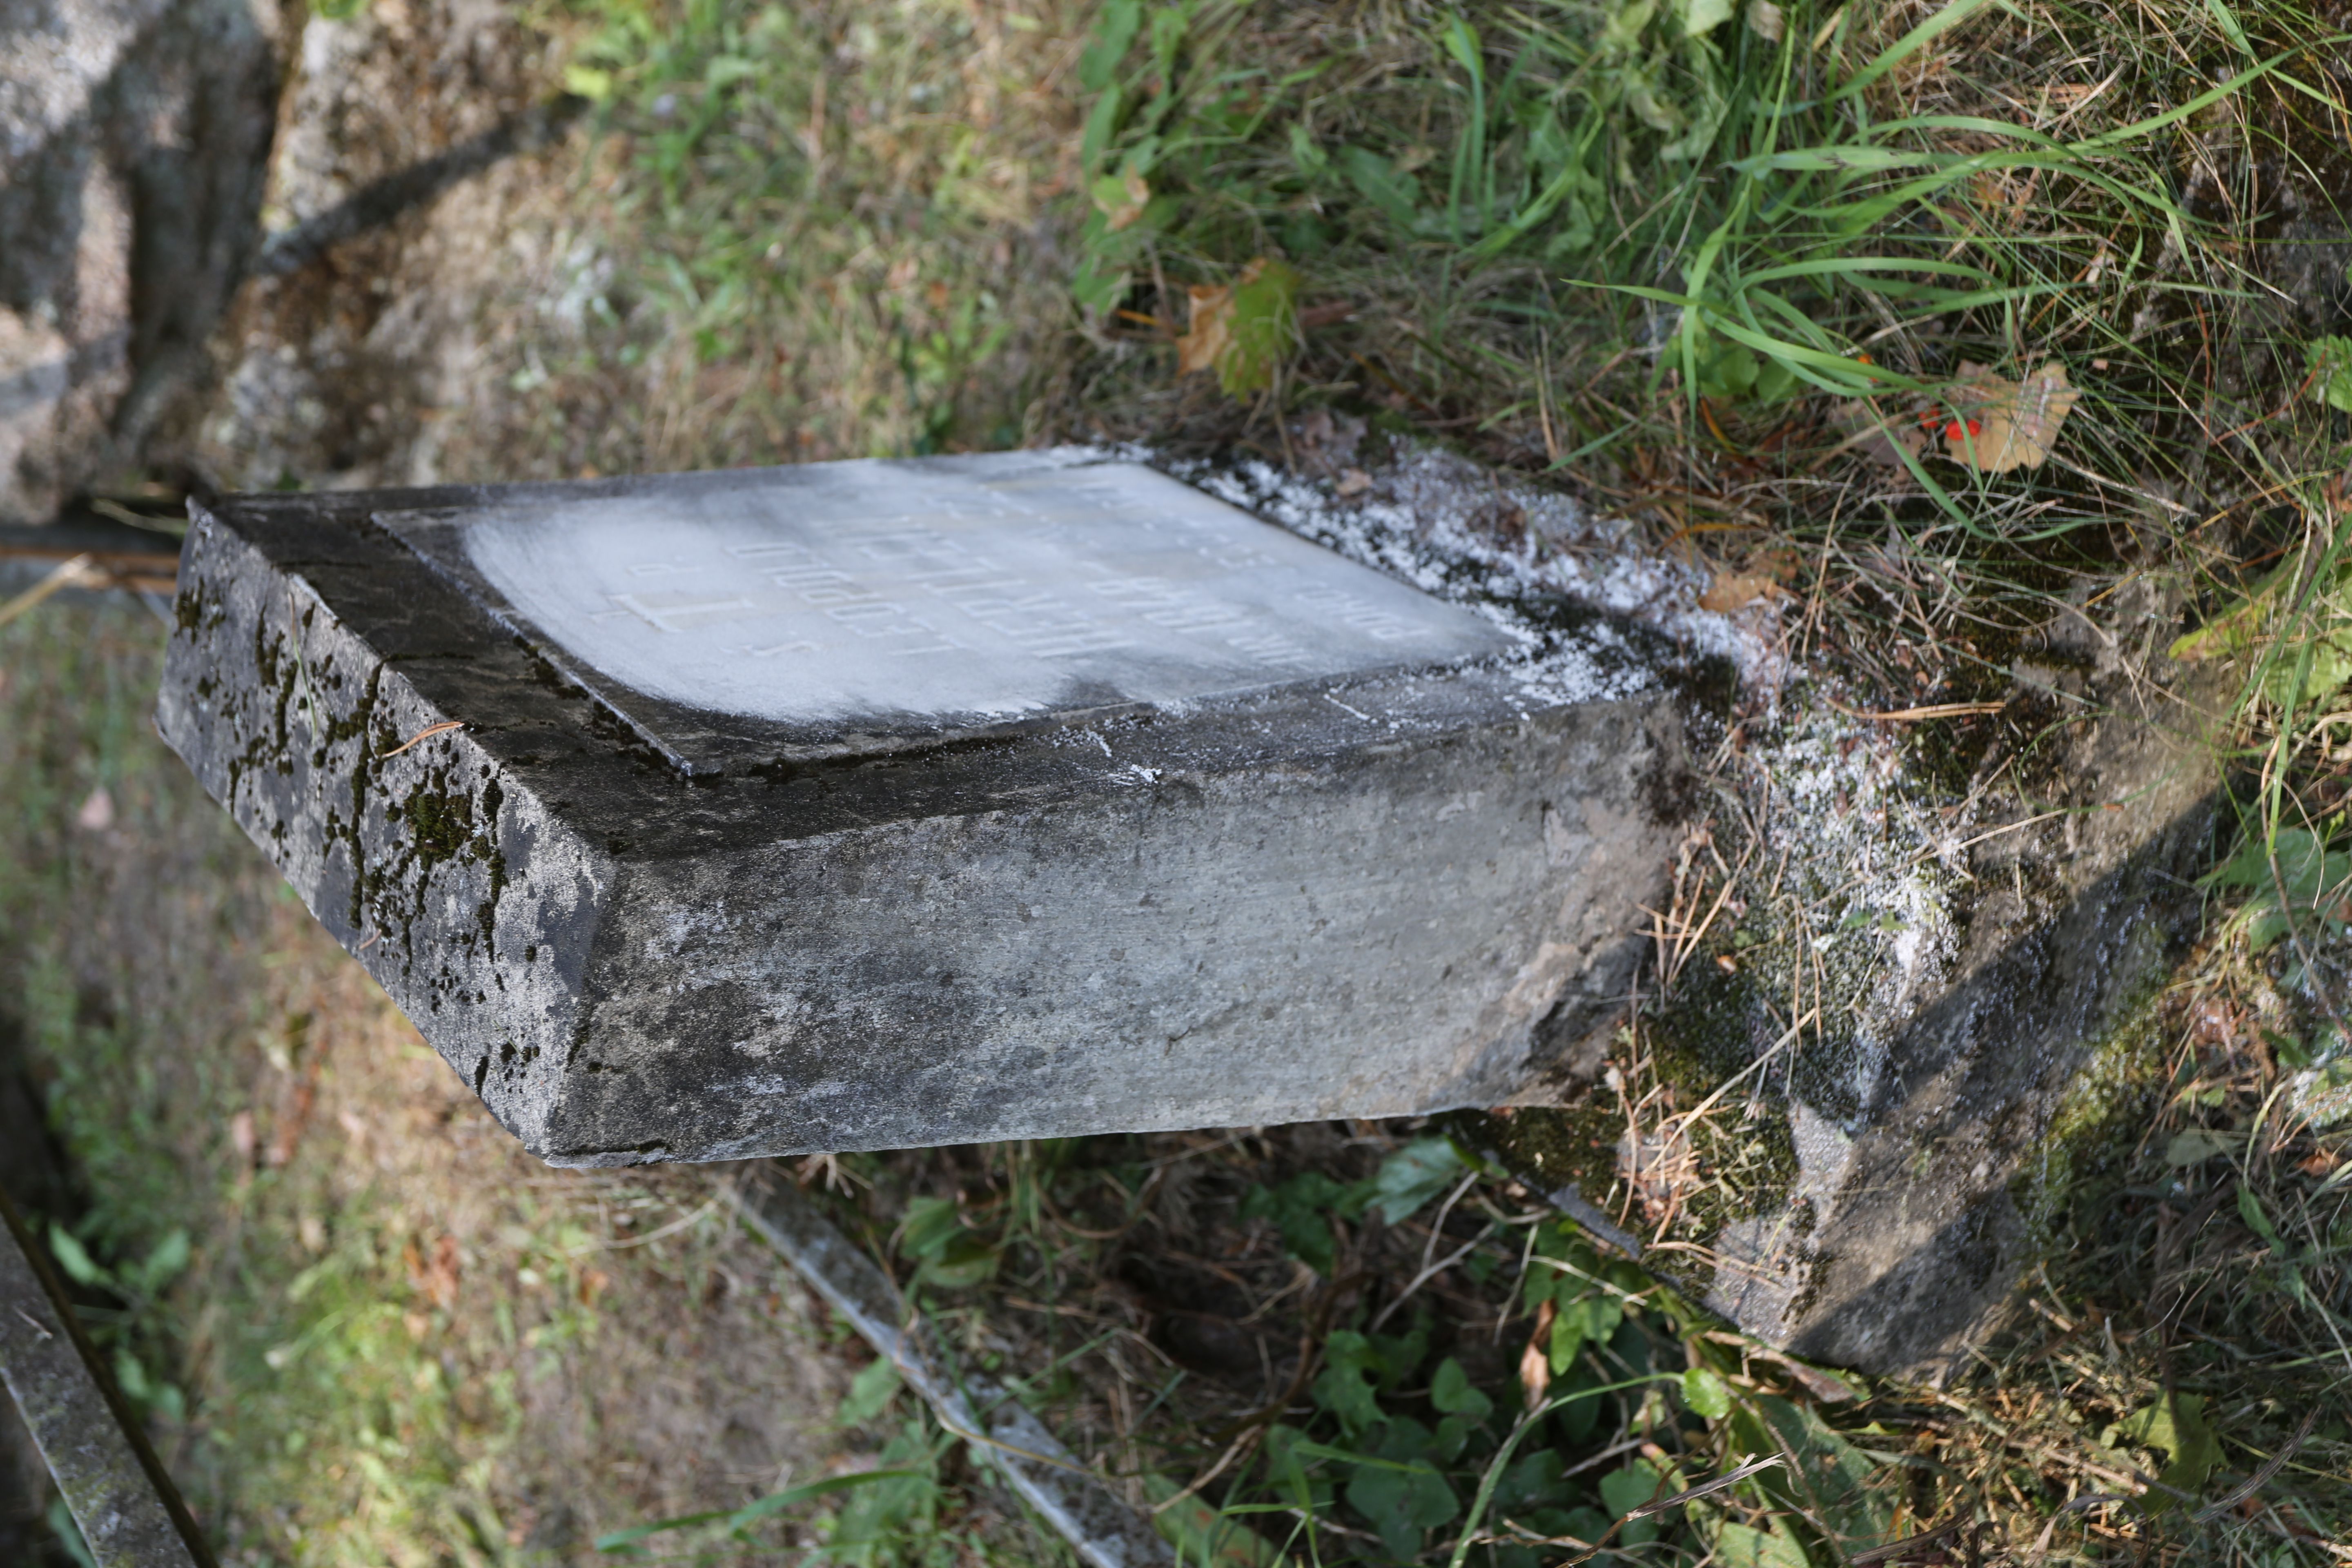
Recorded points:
(1114,33)
(1557,1244)
(1422,1170)
(1530,1481)
(966,1260)
(1739,1546)
(725,70)
(588,82)
(1707,1393)
(1400,1491)
(930,1223)
(1577,1417)
(1301,1208)
(1626,1489)
(951,1256)
(164,1262)
(2199,1144)
(1461,41)
(1395,193)
(75,1259)
(1704,16)
(2177,1426)
(2330,363)
(1102,124)
(1590,1318)
(1837,1473)
(2249,1209)
(1345,1385)
(1100,287)
(2234,630)
(2313,880)
(870,1393)
(1307,153)
(1451,1391)
(1265,328)
(2306,655)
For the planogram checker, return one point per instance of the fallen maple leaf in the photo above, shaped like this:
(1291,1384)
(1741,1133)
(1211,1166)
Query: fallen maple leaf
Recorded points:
(1997,425)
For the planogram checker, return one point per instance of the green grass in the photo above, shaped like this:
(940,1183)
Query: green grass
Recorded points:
(363,1327)
(829,231)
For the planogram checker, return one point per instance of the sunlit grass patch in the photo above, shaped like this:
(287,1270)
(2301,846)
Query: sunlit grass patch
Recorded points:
(363,1327)
(821,232)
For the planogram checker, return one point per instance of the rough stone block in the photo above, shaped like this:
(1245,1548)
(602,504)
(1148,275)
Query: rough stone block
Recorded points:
(868,804)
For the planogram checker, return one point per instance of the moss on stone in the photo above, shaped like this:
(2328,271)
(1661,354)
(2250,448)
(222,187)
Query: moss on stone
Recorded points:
(1550,1147)
(2107,1110)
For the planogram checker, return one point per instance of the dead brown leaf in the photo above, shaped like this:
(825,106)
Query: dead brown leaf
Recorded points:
(1997,425)
(1121,200)
(1535,1362)
(435,1279)
(1211,333)
(1736,591)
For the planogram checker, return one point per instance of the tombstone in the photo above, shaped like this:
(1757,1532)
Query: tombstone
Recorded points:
(878,803)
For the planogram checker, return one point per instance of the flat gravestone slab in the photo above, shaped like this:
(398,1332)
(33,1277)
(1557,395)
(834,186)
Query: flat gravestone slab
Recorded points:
(846,606)
(878,804)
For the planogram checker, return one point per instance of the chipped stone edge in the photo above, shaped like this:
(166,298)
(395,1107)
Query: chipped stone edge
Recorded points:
(340,758)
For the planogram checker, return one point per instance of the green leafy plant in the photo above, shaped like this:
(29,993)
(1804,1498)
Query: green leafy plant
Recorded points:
(2330,361)
(2294,880)
(948,1252)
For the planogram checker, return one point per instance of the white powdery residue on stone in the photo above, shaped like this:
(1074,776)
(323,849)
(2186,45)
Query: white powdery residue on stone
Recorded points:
(1881,925)
(1886,860)
(1430,520)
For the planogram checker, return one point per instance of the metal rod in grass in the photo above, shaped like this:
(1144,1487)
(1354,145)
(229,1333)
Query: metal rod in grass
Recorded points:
(65,575)
(1528,1422)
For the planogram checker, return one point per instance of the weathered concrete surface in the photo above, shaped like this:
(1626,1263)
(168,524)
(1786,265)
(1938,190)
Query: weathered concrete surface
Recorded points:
(1922,1236)
(1967,953)
(1359,896)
